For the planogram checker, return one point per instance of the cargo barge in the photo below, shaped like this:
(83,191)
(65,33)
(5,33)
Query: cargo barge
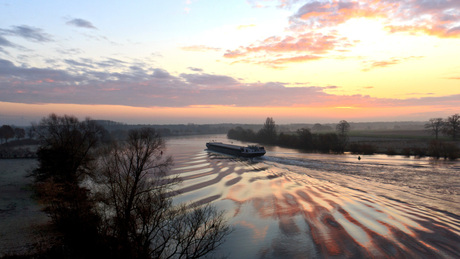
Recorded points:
(248,151)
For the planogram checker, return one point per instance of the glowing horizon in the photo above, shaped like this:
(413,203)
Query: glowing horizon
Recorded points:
(186,62)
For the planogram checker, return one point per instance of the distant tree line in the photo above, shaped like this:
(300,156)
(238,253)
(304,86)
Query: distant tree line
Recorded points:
(322,139)
(302,139)
(112,199)
(449,126)
(9,132)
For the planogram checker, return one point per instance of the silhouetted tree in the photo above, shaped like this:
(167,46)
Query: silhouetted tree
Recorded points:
(19,133)
(288,140)
(305,139)
(31,132)
(343,127)
(342,130)
(435,126)
(66,146)
(241,134)
(137,212)
(65,155)
(452,126)
(318,127)
(6,132)
(268,133)
(327,142)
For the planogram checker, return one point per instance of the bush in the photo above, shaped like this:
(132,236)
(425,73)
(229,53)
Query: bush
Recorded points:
(440,149)
(364,149)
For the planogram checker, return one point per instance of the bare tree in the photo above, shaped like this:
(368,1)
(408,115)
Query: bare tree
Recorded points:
(66,146)
(136,208)
(343,127)
(65,157)
(19,133)
(452,126)
(435,126)
(342,130)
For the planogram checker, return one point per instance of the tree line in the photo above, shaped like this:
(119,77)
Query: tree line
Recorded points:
(8,132)
(338,141)
(303,138)
(449,126)
(112,199)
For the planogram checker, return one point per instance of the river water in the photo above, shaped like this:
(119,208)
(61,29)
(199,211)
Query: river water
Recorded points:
(289,204)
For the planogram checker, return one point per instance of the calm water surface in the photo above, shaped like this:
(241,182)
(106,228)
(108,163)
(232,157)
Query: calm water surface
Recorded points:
(289,204)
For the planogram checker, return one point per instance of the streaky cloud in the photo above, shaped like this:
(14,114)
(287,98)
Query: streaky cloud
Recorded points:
(137,87)
(77,22)
(4,42)
(195,69)
(370,65)
(27,32)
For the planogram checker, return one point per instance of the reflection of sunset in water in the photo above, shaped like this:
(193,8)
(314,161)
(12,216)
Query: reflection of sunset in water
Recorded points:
(285,210)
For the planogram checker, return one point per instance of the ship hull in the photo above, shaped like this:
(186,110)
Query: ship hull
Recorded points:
(235,150)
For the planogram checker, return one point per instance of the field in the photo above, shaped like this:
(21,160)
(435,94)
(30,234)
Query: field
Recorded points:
(23,226)
(402,142)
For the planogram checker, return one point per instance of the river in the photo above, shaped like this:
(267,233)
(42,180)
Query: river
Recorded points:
(289,204)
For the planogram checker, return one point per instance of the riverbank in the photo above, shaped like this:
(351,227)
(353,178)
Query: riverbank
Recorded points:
(417,143)
(24,228)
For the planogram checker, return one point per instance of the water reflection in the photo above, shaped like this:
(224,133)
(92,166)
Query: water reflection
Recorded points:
(289,206)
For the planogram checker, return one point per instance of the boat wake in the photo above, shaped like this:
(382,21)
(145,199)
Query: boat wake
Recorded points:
(314,206)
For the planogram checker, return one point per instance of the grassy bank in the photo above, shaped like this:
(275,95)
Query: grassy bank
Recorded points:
(417,143)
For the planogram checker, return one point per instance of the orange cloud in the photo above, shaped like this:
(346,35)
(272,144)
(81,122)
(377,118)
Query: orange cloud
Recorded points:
(438,31)
(385,63)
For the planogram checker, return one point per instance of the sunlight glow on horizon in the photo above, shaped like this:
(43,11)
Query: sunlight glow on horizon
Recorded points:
(218,114)
(184,62)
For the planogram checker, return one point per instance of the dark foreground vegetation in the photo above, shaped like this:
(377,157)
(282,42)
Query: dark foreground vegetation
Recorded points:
(343,140)
(112,199)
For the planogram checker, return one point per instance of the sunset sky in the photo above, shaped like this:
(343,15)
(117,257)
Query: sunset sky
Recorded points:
(208,61)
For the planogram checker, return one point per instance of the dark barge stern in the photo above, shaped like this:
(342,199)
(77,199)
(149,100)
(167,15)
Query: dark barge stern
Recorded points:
(248,151)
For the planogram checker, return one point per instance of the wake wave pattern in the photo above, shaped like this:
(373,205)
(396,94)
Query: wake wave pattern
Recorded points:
(289,206)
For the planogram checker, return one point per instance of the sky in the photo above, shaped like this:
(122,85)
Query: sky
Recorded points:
(238,61)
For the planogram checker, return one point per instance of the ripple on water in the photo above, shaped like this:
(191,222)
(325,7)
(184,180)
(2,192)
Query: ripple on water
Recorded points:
(295,207)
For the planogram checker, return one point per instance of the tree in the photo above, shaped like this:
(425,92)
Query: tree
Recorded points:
(342,130)
(268,133)
(343,127)
(305,139)
(19,133)
(452,126)
(66,148)
(6,132)
(435,126)
(31,132)
(65,156)
(318,127)
(137,211)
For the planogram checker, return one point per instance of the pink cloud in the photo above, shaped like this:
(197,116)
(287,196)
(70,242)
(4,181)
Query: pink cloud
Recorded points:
(302,48)
(435,18)
(29,85)
(312,28)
